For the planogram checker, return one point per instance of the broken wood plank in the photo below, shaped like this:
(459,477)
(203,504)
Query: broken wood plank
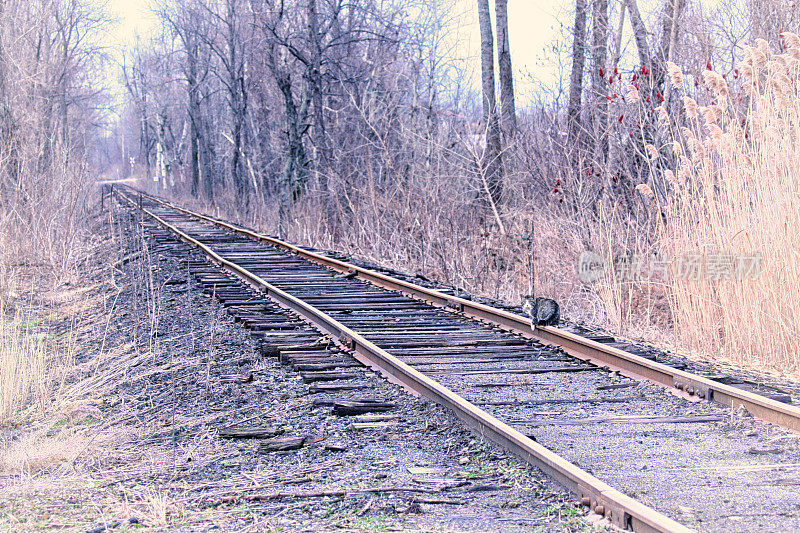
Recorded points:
(250,432)
(316,367)
(331,401)
(350,408)
(282,444)
(618,386)
(269,350)
(329,493)
(376,418)
(127,259)
(437,501)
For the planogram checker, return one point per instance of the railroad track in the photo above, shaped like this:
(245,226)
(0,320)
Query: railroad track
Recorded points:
(489,366)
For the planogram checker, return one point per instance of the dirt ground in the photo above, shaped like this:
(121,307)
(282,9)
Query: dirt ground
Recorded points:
(157,369)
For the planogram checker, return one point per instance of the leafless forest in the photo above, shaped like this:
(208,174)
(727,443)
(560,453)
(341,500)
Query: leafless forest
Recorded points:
(354,126)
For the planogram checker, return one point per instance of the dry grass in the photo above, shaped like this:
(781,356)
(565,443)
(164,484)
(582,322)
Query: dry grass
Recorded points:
(39,344)
(737,195)
(40,450)
(25,379)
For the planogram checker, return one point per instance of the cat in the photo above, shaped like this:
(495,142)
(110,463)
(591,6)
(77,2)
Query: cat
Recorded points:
(543,311)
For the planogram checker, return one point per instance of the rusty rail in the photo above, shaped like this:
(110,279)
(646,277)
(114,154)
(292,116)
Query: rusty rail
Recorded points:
(621,510)
(677,381)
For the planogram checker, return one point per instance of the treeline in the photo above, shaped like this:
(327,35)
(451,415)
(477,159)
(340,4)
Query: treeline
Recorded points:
(278,100)
(286,99)
(49,112)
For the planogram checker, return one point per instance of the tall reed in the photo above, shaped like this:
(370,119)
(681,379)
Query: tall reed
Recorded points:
(733,219)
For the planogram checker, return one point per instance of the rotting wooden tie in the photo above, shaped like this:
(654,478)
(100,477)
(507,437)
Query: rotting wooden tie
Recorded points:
(250,432)
(281,444)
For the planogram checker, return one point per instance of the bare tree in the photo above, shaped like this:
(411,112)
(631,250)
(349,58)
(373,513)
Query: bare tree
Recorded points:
(226,35)
(187,22)
(669,36)
(136,79)
(508,108)
(314,69)
(599,82)
(492,165)
(639,33)
(768,18)
(574,127)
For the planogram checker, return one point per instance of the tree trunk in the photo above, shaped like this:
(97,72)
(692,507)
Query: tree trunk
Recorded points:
(194,115)
(508,108)
(237,97)
(618,38)
(574,130)
(599,75)
(145,140)
(237,169)
(207,158)
(639,33)
(295,171)
(315,85)
(669,35)
(492,165)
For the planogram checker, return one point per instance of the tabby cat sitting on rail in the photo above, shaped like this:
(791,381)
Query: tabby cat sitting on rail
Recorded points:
(543,311)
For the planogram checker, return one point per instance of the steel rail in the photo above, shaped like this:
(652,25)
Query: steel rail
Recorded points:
(621,510)
(680,382)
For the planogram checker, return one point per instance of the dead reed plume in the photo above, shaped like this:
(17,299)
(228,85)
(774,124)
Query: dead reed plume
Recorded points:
(735,209)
